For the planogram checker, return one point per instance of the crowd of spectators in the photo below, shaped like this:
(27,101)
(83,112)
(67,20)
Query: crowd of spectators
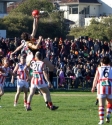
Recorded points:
(75,59)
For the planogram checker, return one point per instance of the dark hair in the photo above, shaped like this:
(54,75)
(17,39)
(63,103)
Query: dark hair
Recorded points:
(106,60)
(38,55)
(25,36)
(101,60)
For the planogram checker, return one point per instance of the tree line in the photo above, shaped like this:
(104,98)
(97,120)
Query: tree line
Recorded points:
(97,30)
(20,20)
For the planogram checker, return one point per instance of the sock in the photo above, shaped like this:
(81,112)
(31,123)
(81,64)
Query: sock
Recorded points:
(50,104)
(101,113)
(15,102)
(28,104)
(109,109)
(25,101)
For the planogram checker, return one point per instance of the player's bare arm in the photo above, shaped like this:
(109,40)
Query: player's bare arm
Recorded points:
(14,72)
(27,73)
(45,74)
(35,26)
(32,46)
(95,81)
(17,49)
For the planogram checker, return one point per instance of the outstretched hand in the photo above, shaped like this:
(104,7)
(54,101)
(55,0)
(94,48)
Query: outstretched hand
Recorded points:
(40,38)
(36,16)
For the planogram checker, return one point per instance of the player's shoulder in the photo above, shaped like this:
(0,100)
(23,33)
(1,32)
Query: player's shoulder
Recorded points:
(40,61)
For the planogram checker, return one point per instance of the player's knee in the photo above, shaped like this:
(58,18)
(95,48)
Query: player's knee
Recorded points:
(18,92)
(31,93)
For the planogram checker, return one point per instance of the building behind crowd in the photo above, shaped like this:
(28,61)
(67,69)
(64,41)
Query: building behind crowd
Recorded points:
(82,11)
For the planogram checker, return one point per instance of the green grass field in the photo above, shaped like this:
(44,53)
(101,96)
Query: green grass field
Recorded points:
(75,108)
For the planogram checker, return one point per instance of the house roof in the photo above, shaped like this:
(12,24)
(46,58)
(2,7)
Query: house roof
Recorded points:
(79,1)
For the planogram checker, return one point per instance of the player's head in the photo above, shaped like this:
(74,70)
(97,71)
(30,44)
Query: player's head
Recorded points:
(106,60)
(25,36)
(38,55)
(5,62)
(22,58)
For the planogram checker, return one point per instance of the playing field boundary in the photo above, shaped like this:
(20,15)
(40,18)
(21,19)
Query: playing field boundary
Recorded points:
(61,95)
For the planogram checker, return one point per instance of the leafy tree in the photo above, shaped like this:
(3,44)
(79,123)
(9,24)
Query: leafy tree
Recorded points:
(98,30)
(29,5)
(20,20)
(15,25)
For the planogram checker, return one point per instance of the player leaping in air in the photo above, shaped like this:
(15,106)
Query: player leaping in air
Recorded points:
(28,46)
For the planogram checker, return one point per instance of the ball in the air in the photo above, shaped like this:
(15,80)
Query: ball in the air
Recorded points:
(35,12)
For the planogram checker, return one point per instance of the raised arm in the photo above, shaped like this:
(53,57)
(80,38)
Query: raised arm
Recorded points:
(35,26)
(17,49)
(32,46)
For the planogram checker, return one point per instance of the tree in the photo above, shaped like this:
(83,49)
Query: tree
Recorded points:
(29,5)
(20,20)
(15,25)
(97,30)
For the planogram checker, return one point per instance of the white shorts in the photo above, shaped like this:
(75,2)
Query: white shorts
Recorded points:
(22,83)
(104,96)
(29,58)
(39,86)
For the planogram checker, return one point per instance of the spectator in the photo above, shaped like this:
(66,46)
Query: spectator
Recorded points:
(55,46)
(61,78)
(62,55)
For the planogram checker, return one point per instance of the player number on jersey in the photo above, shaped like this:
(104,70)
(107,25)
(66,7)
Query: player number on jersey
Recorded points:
(32,64)
(36,67)
(106,73)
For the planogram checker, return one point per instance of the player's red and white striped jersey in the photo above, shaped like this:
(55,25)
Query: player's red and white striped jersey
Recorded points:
(3,77)
(21,72)
(105,80)
(37,72)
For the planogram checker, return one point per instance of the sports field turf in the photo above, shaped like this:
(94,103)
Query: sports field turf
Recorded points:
(75,108)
